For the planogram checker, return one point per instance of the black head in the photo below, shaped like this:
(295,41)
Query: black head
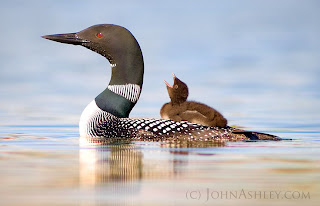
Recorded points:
(178,92)
(122,50)
(115,43)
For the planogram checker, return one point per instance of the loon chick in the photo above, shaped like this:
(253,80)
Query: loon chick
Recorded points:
(179,109)
(107,116)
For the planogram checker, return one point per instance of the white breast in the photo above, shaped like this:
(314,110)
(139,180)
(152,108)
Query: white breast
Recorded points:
(91,120)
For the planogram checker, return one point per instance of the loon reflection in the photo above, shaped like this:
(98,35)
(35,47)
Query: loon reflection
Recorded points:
(128,162)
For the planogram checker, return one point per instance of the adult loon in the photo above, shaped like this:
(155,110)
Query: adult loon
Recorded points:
(179,109)
(106,117)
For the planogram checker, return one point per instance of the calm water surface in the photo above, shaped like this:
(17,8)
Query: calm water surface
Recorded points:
(256,62)
(45,165)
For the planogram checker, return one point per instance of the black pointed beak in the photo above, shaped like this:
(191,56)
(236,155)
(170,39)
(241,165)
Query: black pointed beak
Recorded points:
(70,38)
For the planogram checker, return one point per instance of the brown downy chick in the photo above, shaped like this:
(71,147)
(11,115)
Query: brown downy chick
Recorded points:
(179,109)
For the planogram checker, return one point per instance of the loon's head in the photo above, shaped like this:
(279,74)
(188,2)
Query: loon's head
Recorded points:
(178,92)
(123,52)
(115,43)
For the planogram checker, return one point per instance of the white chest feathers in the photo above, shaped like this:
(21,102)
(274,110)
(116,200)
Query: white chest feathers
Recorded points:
(91,120)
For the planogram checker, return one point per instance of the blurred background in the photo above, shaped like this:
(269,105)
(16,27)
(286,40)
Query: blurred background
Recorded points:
(256,62)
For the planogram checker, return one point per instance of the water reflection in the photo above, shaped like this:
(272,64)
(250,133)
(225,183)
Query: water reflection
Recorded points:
(102,164)
(128,161)
(125,173)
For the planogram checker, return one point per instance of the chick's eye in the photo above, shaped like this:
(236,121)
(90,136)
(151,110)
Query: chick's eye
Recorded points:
(99,35)
(176,86)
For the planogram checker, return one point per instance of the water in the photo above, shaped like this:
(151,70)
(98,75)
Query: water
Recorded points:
(256,62)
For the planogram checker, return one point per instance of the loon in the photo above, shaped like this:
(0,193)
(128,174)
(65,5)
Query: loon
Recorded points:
(107,116)
(179,109)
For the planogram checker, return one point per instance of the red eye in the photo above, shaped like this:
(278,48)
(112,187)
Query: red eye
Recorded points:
(99,35)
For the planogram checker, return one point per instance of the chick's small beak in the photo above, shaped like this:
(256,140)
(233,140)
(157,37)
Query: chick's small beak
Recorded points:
(168,85)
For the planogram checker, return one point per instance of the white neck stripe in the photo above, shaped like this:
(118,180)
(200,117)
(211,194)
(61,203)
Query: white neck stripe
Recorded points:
(128,91)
